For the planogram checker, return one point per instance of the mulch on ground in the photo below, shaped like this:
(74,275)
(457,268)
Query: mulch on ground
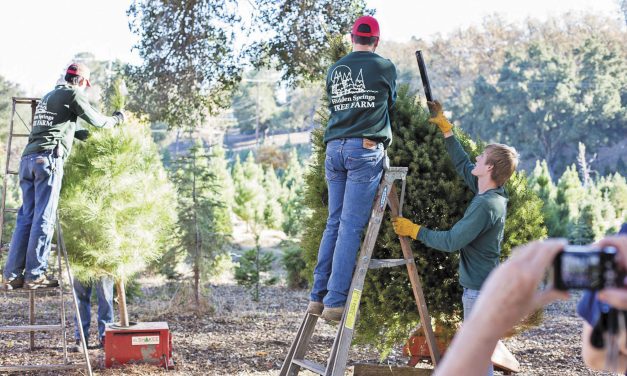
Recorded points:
(232,335)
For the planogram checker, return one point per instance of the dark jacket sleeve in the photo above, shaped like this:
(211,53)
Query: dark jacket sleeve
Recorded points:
(81,107)
(467,229)
(392,92)
(462,162)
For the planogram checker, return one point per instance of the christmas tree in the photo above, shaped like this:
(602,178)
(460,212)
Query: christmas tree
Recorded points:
(117,206)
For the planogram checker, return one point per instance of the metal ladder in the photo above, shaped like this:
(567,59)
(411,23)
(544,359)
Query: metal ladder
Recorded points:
(336,363)
(62,258)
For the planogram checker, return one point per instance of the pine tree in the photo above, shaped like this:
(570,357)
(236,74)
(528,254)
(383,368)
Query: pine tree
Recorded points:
(293,207)
(617,194)
(435,197)
(117,206)
(541,183)
(273,212)
(570,193)
(249,205)
(218,168)
(203,226)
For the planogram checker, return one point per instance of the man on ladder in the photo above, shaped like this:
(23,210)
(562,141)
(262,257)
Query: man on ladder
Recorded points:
(40,175)
(361,88)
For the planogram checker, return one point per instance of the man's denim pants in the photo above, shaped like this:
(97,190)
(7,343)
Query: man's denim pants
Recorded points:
(469,298)
(104,293)
(353,174)
(40,177)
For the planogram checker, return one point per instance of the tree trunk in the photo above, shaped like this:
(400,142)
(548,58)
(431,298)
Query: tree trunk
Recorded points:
(257,272)
(119,285)
(197,255)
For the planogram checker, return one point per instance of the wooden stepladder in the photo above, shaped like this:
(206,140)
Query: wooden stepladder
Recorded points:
(17,131)
(336,364)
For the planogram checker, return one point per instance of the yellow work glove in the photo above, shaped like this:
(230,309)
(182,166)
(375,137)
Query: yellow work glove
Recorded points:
(438,118)
(405,227)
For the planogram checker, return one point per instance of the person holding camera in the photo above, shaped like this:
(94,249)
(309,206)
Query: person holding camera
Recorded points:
(40,173)
(604,339)
(479,233)
(510,294)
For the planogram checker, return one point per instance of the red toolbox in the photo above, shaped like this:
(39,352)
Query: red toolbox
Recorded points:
(144,342)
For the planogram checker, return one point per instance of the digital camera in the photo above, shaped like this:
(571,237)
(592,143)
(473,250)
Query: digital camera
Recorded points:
(586,268)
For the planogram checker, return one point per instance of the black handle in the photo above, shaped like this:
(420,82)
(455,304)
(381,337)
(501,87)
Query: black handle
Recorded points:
(423,75)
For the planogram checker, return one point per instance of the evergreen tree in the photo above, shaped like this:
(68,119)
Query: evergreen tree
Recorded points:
(218,168)
(272,213)
(293,207)
(434,197)
(615,190)
(541,183)
(570,193)
(117,206)
(250,205)
(203,228)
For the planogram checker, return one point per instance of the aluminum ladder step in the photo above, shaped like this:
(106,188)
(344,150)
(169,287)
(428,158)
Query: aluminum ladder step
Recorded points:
(43,367)
(387,263)
(10,210)
(30,328)
(311,366)
(20,135)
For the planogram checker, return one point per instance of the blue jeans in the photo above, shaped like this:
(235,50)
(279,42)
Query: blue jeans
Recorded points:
(353,174)
(40,177)
(469,298)
(104,294)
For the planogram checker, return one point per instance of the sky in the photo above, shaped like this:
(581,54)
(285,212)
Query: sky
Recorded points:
(39,37)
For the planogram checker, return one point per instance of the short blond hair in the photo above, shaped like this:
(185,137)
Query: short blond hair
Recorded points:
(504,160)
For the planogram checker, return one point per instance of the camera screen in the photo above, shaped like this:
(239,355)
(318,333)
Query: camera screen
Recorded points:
(581,270)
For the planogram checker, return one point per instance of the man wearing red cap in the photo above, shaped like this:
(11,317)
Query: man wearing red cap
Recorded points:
(40,173)
(361,88)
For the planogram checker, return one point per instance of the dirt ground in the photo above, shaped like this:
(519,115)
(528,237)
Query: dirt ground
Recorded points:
(232,335)
(229,334)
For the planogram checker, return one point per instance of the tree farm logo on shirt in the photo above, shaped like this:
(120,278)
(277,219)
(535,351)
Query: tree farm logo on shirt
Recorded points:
(347,93)
(43,117)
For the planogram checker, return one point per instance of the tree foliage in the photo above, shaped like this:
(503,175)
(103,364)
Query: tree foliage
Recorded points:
(117,206)
(580,212)
(204,225)
(434,197)
(300,31)
(547,96)
(188,49)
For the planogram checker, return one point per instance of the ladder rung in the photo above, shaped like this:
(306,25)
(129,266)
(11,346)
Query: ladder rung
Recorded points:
(30,328)
(40,289)
(10,210)
(313,367)
(387,263)
(12,172)
(43,367)
(20,135)
(25,99)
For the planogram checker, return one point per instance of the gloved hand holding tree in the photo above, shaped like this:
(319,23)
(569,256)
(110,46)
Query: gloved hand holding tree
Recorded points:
(438,118)
(405,227)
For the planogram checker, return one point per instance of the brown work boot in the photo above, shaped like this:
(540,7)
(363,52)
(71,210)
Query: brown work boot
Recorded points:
(42,281)
(12,283)
(332,313)
(315,308)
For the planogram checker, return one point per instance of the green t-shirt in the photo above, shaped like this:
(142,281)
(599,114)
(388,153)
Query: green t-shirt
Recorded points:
(478,235)
(361,88)
(55,119)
